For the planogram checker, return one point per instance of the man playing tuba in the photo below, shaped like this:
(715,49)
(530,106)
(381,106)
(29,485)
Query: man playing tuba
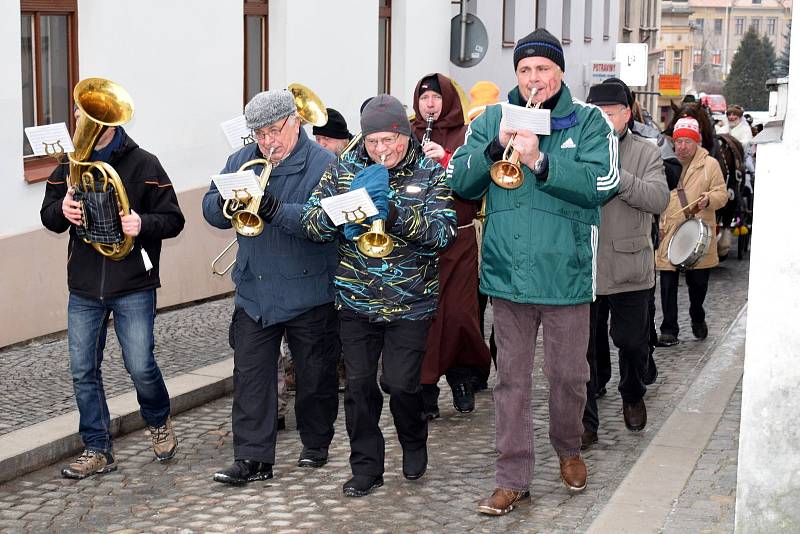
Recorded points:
(283,286)
(100,286)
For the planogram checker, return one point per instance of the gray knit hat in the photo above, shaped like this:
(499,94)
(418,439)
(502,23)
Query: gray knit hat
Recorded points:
(384,113)
(268,108)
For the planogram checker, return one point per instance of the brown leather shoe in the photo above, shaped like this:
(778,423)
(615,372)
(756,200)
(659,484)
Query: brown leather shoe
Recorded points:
(503,501)
(573,473)
(588,438)
(635,414)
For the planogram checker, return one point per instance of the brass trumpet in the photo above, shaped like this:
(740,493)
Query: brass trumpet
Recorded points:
(507,172)
(376,243)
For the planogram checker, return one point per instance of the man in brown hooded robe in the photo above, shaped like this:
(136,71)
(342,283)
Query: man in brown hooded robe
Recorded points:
(455,345)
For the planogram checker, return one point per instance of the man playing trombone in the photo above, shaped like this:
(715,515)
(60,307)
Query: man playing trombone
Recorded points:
(283,285)
(386,299)
(538,258)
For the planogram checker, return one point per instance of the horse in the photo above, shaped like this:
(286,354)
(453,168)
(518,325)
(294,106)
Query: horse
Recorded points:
(729,153)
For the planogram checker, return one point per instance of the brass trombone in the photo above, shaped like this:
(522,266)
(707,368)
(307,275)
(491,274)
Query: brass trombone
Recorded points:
(507,172)
(243,210)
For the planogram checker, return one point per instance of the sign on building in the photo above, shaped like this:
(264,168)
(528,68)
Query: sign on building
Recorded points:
(669,84)
(632,58)
(601,70)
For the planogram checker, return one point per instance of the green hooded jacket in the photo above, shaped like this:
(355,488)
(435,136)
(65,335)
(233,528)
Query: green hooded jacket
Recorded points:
(540,240)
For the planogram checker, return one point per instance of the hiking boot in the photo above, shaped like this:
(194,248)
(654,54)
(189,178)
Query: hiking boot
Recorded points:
(90,463)
(165,442)
(244,471)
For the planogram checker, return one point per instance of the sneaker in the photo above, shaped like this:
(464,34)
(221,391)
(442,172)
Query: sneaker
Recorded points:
(361,485)
(415,463)
(165,442)
(313,457)
(90,463)
(700,330)
(244,471)
(667,340)
(463,397)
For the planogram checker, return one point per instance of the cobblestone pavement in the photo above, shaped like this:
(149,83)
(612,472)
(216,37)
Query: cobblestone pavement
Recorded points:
(35,383)
(708,502)
(145,496)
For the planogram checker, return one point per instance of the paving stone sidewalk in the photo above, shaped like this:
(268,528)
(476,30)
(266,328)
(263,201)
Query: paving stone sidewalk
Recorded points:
(145,496)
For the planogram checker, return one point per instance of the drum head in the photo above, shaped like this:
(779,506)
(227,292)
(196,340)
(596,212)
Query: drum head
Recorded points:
(682,244)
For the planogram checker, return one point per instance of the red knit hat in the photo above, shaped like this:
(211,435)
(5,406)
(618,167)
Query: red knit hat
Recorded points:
(687,127)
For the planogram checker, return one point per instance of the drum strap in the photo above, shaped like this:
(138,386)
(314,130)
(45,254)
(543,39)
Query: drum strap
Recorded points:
(682,196)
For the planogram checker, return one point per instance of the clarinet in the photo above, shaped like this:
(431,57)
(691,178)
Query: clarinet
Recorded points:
(428,129)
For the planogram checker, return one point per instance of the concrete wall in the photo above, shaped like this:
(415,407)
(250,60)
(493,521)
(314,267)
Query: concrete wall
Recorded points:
(768,489)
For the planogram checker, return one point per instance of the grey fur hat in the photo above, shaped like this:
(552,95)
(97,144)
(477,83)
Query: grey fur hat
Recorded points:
(268,107)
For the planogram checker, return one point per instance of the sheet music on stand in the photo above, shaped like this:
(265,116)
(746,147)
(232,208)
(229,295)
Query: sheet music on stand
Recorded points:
(530,119)
(228,184)
(348,207)
(49,139)
(236,132)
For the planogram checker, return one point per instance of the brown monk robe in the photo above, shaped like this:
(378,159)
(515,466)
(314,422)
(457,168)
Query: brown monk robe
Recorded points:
(455,346)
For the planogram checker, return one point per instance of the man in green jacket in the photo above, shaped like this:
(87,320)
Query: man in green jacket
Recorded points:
(538,266)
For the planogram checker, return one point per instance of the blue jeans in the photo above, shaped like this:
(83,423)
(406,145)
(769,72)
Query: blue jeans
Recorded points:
(87,325)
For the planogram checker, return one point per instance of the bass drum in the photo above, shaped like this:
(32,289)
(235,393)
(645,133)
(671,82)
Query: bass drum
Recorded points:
(689,243)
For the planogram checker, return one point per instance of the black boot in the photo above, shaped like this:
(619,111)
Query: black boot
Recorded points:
(463,397)
(244,471)
(430,401)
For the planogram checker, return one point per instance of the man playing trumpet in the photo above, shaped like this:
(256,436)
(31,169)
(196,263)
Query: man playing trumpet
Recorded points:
(283,286)
(386,303)
(538,259)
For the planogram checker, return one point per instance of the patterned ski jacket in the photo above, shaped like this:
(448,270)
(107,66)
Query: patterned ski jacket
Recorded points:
(404,284)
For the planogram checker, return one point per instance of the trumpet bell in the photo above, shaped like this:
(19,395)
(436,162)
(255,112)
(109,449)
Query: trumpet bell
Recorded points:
(247,223)
(375,245)
(506,174)
(309,106)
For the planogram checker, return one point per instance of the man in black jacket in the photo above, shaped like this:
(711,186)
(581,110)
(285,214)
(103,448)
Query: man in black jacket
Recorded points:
(99,286)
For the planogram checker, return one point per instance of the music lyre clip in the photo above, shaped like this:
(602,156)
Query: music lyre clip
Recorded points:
(54,150)
(353,216)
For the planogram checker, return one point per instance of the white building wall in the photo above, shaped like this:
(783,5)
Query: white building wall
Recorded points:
(182,67)
(498,64)
(21,199)
(331,47)
(419,45)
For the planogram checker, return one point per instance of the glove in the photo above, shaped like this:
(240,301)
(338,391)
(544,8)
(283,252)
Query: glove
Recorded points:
(269,206)
(353,230)
(375,179)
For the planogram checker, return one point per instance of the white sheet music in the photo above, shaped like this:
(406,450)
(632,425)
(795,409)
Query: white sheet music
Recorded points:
(228,184)
(49,139)
(530,119)
(352,206)
(236,132)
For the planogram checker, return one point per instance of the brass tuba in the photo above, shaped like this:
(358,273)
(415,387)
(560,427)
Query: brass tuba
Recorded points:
(103,104)
(243,210)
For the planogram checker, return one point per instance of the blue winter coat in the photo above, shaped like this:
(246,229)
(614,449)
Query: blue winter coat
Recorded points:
(280,274)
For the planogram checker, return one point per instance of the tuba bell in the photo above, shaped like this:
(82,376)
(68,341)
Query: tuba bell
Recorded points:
(102,104)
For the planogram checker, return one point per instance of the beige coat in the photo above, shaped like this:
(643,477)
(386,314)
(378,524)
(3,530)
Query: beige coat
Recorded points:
(702,175)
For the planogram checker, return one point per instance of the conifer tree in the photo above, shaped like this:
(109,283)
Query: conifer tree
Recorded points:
(751,67)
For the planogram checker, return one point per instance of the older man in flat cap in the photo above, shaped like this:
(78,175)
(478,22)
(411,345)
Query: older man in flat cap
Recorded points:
(386,304)
(283,286)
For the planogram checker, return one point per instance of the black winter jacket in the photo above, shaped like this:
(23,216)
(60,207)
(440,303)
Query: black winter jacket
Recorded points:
(150,194)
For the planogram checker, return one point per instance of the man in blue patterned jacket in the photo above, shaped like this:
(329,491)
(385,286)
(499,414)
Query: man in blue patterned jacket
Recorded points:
(386,304)
(283,285)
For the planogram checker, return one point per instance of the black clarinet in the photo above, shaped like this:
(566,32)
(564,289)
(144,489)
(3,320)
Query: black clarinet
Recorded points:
(428,129)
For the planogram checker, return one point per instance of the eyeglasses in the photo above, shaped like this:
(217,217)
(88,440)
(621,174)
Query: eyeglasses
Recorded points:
(271,132)
(612,114)
(385,141)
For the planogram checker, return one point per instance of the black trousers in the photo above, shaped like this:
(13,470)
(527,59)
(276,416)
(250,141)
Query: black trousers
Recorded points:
(697,281)
(402,344)
(314,342)
(631,334)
